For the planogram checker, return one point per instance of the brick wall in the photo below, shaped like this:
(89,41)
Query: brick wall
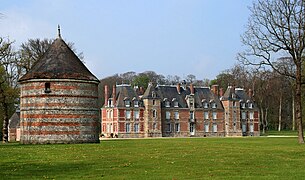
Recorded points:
(66,114)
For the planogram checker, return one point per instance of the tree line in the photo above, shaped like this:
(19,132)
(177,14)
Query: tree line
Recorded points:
(272,64)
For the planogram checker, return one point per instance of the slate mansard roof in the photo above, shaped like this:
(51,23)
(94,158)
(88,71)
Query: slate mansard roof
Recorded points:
(170,93)
(59,62)
(125,92)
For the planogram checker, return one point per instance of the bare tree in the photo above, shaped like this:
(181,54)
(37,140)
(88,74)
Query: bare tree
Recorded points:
(276,28)
(8,83)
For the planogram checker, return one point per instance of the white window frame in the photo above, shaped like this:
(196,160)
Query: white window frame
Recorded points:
(136,114)
(251,115)
(127,127)
(206,115)
(167,115)
(176,114)
(127,114)
(243,115)
(214,115)
(136,128)
(214,128)
(206,127)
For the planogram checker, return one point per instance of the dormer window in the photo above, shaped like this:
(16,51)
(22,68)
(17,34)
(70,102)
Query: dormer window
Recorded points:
(176,104)
(167,104)
(243,105)
(213,105)
(153,94)
(109,103)
(250,105)
(205,104)
(127,103)
(136,103)
(47,87)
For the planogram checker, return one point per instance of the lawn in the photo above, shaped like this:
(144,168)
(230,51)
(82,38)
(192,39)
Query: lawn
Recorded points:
(166,158)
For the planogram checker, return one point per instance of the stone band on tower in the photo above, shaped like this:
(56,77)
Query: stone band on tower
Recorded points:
(58,99)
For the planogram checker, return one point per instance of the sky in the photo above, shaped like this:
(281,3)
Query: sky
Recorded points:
(170,37)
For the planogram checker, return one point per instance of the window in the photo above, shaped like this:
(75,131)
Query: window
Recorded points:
(191,101)
(168,127)
(251,115)
(109,114)
(167,115)
(136,103)
(176,114)
(176,104)
(127,114)
(177,127)
(127,103)
(215,128)
(250,105)
(108,127)
(206,115)
(192,115)
(47,87)
(136,128)
(243,105)
(234,103)
(136,114)
(205,105)
(244,127)
(243,115)
(214,115)
(154,102)
(154,113)
(206,127)
(251,128)
(110,103)
(167,104)
(213,105)
(127,127)
(154,126)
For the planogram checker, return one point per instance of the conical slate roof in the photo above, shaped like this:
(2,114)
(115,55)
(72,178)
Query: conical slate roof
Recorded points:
(59,62)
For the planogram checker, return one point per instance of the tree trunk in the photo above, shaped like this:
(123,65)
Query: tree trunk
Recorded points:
(280,114)
(5,123)
(266,120)
(262,120)
(298,103)
(293,114)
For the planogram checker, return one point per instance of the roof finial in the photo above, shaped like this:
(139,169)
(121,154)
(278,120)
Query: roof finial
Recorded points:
(59,36)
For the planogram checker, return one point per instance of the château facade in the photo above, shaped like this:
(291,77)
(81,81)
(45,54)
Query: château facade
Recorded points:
(178,111)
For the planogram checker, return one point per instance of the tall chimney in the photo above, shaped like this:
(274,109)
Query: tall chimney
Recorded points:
(192,88)
(178,88)
(113,95)
(215,89)
(106,95)
(220,92)
(250,93)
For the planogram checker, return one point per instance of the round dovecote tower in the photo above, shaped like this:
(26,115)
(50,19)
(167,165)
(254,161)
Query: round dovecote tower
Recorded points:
(58,99)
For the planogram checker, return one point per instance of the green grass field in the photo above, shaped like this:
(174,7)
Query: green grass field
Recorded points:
(166,158)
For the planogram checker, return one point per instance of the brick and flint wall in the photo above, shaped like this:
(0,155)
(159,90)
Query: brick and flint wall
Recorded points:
(59,111)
